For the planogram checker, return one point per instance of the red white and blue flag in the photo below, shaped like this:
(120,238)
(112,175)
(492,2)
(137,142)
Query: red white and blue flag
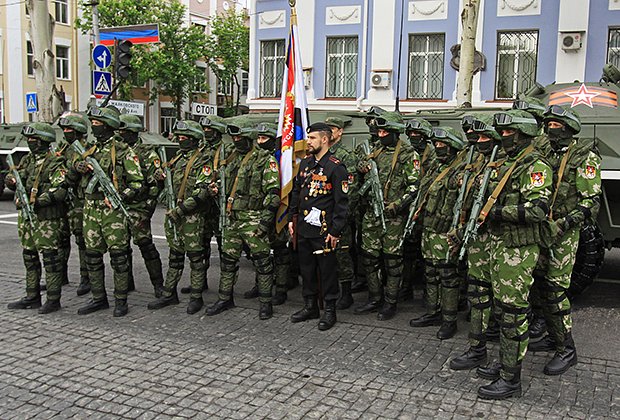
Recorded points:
(293,121)
(137,34)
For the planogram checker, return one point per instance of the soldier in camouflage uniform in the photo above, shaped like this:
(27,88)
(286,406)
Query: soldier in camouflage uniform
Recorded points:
(398,165)
(105,228)
(419,132)
(442,281)
(537,108)
(523,188)
(184,225)
(43,176)
(576,200)
(480,292)
(75,128)
(253,191)
(143,207)
(345,260)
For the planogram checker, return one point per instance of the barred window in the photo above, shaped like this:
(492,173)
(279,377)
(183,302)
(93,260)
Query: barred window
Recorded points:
(341,80)
(29,58)
(426,61)
(517,56)
(200,82)
(613,47)
(62,62)
(61,7)
(272,57)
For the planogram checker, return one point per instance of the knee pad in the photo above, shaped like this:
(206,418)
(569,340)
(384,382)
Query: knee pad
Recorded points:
(263,263)
(393,264)
(31,259)
(119,259)
(370,260)
(228,263)
(51,261)
(281,256)
(448,276)
(196,259)
(511,319)
(176,260)
(94,261)
(480,293)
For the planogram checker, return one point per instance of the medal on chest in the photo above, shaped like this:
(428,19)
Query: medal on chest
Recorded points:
(319,184)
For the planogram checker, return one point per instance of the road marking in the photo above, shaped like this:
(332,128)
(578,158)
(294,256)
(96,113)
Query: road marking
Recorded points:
(7,223)
(8,216)
(213,241)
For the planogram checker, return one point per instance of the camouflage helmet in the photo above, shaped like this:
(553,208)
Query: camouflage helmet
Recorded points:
(372,113)
(391,121)
(420,125)
(566,116)
(483,124)
(242,127)
(188,128)
(131,123)
(214,122)
(107,115)
(534,106)
(74,121)
(267,129)
(522,121)
(449,136)
(40,130)
(467,122)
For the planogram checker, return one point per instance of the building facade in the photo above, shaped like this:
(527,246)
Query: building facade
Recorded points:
(360,53)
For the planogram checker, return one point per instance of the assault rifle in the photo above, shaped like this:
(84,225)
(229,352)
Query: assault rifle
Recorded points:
(456,210)
(222,187)
(168,190)
(101,178)
(411,220)
(471,231)
(374,183)
(21,194)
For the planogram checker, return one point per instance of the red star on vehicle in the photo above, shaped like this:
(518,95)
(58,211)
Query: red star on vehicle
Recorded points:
(582,97)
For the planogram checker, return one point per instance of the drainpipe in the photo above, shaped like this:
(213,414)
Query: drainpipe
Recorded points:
(362,96)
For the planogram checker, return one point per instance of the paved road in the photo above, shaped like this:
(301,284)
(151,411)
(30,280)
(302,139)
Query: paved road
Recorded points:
(169,364)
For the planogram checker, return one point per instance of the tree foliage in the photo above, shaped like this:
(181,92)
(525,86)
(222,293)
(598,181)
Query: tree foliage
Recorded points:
(171,64)
(228,50)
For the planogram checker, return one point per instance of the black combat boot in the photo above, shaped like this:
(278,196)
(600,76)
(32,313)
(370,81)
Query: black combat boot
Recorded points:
(328,319)
(346,298)
(490,372)
(50,306)
(279,298)
(252,293)
(220,306)
(387,311)
(500,389)
(120,308)
(265,311)
(84,286)
(447,330)
(164,301)
(195,305)
(544,344)
(369,306)
(562,360)
(426,320)
(94,306)
(473,357)
(309,311)
(538,327)
(188,289)
(26,303)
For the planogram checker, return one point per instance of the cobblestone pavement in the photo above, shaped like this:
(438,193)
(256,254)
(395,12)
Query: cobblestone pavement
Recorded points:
(167,364)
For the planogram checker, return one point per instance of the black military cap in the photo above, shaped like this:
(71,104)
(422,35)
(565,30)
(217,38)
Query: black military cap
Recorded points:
(319,126)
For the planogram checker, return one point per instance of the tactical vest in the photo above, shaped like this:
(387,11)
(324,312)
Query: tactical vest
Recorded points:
(249,194)
(441,199)
(103,155)
(515,235)
(178,172)
(52,164)
(567,195)
(398,182)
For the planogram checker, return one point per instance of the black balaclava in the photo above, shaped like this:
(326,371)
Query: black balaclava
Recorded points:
(559,137)
(243,145)
(36,146)
(129,137)
(188,144)
(390,139)
(269,145)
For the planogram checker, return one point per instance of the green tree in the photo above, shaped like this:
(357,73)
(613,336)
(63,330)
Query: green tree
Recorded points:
(228,50)
(170,64)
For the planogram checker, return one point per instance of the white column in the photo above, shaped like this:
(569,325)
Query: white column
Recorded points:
(83,69)
(574,16)
(306,30)
(382,50)
(254,68)
(15,72)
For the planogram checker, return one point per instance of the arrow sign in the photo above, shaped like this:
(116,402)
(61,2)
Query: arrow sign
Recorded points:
(102,56)
(102,82)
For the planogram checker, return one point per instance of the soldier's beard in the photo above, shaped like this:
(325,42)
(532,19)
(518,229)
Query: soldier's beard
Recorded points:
(315,150)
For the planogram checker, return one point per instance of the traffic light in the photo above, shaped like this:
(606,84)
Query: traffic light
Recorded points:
(122,58)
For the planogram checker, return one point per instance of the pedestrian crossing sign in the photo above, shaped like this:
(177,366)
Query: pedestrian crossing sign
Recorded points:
(102,82)
(31,102)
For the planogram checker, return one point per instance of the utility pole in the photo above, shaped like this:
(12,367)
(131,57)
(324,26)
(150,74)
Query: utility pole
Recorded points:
(469,20)
(94,4)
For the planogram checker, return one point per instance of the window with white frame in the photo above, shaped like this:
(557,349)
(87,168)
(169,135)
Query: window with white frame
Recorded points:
(61,8)
(426,63)
(613,47)
(245,82)
(272,57)
(224,87)
(167,119)
(29,59)
(200,82)
(341,66)
(517,57)
(62,62)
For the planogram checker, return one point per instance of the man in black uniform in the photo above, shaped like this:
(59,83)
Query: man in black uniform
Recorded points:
(319,206)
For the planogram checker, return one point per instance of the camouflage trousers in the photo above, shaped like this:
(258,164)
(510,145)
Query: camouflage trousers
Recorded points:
(76,223)
(245,229)
(511,278)
(379,244)
(106,229)
(140,232)
(479,289)
(281,259)
(344,256)
(212,229)
(413,268)
(557,265)
(44,238)
(442,280)
(187,237)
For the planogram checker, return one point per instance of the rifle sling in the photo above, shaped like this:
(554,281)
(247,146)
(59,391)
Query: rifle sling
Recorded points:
(563,164)
(37,180)
(233,191)
(113,156)
(477,171)
(188,169)
(502,183)
(386,187)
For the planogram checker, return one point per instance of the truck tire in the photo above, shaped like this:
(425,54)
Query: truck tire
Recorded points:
(589,260)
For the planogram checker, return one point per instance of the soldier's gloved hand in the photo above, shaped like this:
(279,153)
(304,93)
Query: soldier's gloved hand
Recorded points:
(363,166)
(496,213)
(44,200)
(128,195)
(561,228)
(176,214)
(159,174)
(82,166)
(213,189)
(10,181)
(392,210)
(455,240)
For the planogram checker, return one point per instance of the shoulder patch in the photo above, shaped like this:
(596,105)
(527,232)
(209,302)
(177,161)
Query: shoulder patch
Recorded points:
(273,166)
(537,179)
(590,172)
(345,187)
(416,164)
(157,163)
(206,170)
(136,159)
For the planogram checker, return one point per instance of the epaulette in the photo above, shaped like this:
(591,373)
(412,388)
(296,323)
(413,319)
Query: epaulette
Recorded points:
(335,160)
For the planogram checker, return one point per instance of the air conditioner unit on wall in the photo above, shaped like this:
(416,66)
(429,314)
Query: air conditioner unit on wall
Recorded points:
(380,79)
(571,41)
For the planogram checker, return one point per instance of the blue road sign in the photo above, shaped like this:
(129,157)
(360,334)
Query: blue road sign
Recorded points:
(102,56)
(31,102)
(102,82)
